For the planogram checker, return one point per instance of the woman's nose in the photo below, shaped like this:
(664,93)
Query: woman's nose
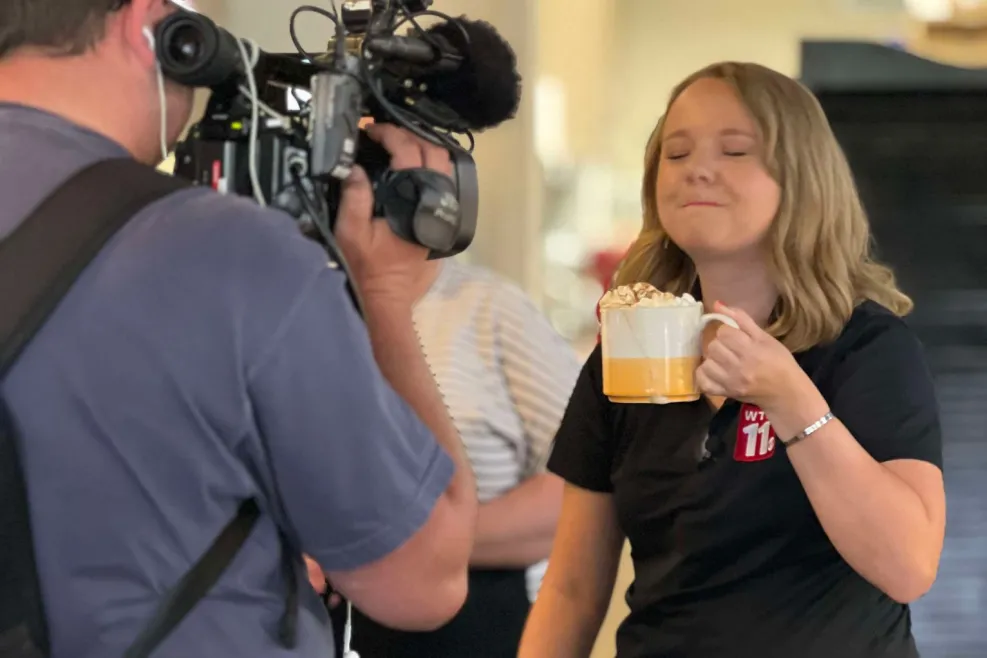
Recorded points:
(700,170)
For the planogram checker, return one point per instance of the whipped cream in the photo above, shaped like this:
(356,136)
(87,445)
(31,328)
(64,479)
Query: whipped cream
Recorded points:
(643,294)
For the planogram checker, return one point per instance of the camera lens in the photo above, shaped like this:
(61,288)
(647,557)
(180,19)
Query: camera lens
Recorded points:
(185,46)
(195,52)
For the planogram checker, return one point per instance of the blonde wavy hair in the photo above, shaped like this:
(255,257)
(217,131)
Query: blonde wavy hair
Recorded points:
(820,240)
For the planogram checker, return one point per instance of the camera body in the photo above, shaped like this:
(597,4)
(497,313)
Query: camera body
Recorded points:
(285,128)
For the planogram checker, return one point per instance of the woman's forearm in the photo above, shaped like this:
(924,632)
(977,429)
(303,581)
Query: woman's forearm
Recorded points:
(517,529)
(560,626)
(875,519)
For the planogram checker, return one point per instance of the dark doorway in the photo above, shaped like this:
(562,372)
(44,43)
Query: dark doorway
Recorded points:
(915,133)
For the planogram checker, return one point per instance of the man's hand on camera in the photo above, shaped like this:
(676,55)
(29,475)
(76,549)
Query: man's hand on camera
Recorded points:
(383,264)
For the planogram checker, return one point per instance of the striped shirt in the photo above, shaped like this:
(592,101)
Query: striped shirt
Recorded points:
(505,374)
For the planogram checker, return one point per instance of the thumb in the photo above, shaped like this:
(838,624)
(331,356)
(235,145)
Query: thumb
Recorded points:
(744,321)
(356,206)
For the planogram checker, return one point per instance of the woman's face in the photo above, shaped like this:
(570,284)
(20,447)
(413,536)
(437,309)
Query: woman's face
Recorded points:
(715,196)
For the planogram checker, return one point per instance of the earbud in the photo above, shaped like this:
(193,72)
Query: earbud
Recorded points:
(149,35)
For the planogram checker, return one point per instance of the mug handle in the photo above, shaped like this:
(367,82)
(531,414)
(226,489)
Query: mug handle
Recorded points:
(719,317)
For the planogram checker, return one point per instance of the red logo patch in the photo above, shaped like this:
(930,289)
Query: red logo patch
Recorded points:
(755,437)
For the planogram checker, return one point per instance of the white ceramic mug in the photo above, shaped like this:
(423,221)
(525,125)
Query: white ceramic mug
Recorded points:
(651,353)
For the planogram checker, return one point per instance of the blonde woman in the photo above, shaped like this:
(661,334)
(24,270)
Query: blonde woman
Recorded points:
(814,545)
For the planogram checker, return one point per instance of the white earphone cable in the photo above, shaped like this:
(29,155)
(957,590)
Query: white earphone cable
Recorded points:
(163,102)
(348,633)
(250,62)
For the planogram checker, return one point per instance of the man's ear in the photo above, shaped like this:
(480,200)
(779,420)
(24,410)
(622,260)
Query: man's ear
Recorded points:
(137,22)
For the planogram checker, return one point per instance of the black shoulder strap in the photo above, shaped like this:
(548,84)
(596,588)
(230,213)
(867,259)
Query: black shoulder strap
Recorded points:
(43,257)
(39,263)
(195,584)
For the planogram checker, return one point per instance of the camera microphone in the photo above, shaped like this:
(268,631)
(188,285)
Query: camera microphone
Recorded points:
(465,65)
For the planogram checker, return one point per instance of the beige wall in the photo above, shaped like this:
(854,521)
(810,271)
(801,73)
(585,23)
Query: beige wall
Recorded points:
(662,41)
(576,47)
(214,9)
(961,41)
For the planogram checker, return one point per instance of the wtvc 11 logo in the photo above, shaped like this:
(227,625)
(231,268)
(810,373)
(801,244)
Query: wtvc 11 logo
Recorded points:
(755,437)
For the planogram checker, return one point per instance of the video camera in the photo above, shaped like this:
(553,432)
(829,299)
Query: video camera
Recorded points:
(285,128)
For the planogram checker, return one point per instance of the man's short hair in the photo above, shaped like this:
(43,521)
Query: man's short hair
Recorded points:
(61,27)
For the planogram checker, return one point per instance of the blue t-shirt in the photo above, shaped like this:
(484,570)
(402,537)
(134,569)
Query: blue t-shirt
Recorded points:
(207,323)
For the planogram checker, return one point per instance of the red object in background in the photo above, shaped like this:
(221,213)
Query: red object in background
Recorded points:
(602,266)
(599,322)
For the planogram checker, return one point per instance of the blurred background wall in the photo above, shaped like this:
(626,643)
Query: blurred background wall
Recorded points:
(561,184)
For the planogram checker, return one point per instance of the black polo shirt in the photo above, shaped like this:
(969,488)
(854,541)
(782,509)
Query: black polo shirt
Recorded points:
(729,557)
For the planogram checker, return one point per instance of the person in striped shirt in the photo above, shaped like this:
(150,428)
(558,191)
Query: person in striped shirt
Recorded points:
(506,376)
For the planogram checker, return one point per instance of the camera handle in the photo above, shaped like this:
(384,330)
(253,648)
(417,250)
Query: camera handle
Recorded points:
(421,206)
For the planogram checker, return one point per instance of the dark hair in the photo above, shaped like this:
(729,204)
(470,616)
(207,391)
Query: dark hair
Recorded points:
(61,27)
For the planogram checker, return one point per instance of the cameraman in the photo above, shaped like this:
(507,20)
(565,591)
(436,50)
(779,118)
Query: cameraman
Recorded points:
(207,356)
